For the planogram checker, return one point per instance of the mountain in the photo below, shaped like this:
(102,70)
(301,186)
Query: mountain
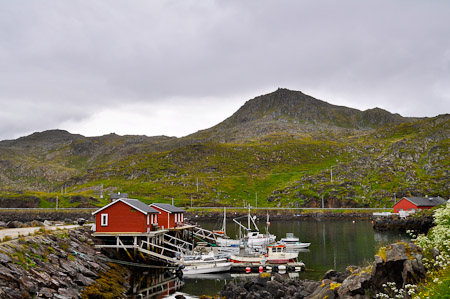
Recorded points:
(295,113)
(278,149)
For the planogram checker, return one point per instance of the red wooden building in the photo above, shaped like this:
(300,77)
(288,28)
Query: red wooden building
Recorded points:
(417,203)
(126,215)
(170,216)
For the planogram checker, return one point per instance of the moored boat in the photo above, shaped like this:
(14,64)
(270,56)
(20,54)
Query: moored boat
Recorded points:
(292,242)
(205,268)
(276,254)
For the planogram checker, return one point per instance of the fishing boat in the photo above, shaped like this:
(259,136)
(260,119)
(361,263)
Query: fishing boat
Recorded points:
(201,259)
(205,268)
(253,237)
(222,240)
(276,254)
(292,242)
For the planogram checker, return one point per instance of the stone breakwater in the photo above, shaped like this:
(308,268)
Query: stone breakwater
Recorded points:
(205,215)
(421,224)
(59,264)
(24,216)
(400,263)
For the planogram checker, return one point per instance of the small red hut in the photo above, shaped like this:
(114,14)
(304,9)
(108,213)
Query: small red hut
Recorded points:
(170,216)
(417,203)
(126,215)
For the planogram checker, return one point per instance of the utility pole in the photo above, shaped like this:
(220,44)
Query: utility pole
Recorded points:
(331,172)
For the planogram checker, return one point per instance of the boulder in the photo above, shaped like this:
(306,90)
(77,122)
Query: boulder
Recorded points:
(46,292)
(36,223)
(356,284)
(402,264)
(4,259)
(14,224)
(336,276)
(28,284)
(82,280)
(326,290)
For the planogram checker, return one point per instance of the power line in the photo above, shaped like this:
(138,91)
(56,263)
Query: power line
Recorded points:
(228,176)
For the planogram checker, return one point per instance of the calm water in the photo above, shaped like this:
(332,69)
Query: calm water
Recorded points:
(335,244)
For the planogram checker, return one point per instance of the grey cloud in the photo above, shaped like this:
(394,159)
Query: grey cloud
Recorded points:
(75,57)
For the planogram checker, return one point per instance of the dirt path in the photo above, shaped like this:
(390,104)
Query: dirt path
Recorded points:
(14,233)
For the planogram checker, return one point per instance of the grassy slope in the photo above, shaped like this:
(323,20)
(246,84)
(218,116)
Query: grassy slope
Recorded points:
(409,159)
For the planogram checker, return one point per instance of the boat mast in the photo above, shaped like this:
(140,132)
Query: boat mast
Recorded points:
(249,229)
(224,221)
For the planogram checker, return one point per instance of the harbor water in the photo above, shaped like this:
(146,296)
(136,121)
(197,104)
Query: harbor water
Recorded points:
(335,244)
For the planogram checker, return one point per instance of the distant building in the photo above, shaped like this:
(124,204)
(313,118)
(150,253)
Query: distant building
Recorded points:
(125,215)
(115,196)
(170,216)
(413,204)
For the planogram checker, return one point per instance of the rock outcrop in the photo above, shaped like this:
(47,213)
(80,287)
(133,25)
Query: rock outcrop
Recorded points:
(51,265)
(400,263)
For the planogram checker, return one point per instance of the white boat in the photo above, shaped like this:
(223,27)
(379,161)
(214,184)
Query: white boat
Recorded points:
(227,242)
(276,254)
(214,267)
(201,259)
(253,238)
(292,242)
(222,240)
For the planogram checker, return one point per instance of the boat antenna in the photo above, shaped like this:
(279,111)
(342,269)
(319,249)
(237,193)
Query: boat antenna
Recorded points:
(224,221)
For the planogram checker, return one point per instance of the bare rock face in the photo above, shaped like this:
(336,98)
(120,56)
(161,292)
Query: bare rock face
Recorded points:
(52,266)
(356,285)
(402,265)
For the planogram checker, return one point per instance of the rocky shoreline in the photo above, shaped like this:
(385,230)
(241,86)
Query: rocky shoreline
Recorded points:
(59,264)
(421,224)
(27,216)
(400,263)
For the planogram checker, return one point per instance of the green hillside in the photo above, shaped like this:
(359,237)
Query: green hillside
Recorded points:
(352,159)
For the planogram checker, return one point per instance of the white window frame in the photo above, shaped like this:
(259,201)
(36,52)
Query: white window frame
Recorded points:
(104,219)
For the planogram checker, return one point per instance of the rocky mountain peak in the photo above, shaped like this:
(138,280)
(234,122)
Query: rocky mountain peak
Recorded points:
(287,111)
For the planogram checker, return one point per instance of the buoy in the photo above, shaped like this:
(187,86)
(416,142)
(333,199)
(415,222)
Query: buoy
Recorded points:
(268,268)
(260,269)
(248,269)
(282,269)
(297,269)
(353,221)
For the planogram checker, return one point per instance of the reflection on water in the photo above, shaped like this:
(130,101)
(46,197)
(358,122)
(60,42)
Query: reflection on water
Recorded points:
(154,284)
(335,244)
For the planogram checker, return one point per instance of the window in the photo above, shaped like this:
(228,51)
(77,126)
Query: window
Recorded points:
(104,219)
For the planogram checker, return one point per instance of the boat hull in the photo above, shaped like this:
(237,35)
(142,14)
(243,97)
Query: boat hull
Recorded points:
(206,268)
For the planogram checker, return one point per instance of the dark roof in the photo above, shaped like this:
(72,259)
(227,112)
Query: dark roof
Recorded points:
(139,205)
(168,207)
(134,203)
(426,201)
(118,195)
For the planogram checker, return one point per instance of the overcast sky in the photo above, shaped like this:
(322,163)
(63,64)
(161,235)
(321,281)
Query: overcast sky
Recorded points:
(176,67)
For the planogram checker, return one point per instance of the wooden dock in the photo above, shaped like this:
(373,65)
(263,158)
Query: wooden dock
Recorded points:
(291,267)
